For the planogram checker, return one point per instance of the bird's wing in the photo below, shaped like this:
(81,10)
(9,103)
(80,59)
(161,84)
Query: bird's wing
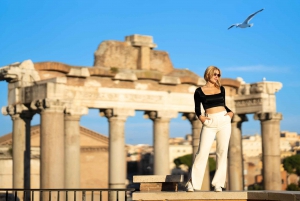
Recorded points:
(231,26)
(251,16)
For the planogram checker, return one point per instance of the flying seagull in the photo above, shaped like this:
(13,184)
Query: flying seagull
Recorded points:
(246,24)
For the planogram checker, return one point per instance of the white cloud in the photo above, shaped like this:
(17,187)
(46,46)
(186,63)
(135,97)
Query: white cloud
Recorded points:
(258,68)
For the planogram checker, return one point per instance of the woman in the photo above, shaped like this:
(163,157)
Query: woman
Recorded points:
(216,123)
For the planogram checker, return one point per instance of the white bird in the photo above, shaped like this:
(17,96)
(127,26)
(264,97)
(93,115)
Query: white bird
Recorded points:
(246,24)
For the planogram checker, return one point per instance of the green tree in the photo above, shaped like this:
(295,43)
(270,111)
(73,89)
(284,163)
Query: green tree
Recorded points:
(292,164)
(255,187)
(188,161)
(212,164)
(292,187)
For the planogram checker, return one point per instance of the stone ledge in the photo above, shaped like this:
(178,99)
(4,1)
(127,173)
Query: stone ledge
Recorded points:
(224,196)
(157,178)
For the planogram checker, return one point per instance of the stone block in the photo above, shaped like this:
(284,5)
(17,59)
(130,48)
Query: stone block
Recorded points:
(151,187)
(157,178)
(125,76)
(156,183)
(79,72)
(170,80)
(140,40)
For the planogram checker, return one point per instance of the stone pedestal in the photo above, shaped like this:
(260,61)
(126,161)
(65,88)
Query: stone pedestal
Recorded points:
(196,131)
(270,131)
(157,183)
(235,154)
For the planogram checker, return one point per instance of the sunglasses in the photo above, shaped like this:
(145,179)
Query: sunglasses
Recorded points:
(216,74)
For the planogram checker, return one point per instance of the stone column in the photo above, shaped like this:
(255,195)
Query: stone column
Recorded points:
(117,161)
(161,124)
(270,131)
(21,118)
(235,154)
(51,143)
(72,145)
(196,130)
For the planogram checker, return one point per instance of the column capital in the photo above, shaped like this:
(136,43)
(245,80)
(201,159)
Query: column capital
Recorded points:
(14,109)
(239,118)
(189,116)
(160,114)
(116,112)
(74,110)
(48,105)
(265,116)
(18,111)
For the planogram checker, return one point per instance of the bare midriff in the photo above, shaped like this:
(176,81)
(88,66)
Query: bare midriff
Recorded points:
(215,110)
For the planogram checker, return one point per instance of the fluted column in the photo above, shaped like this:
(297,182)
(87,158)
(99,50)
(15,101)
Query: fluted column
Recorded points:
(21,117)
(161,130)
(270,131)
(196,131)
(72,145)
(235,154)
(51,143)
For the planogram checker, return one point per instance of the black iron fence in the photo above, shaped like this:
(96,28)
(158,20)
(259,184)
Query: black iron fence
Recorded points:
(66,194)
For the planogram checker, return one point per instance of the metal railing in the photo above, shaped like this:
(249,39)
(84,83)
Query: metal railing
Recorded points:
(65,194)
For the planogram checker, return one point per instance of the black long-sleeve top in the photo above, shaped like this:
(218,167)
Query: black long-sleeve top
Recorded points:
(209,101)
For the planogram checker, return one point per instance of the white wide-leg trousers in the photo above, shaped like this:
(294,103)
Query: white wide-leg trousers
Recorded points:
(219,127)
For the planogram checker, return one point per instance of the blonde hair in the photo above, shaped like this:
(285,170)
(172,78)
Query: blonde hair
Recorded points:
(209,73)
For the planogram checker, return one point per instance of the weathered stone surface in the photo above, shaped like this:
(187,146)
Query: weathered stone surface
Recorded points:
(157,178)
(141,40)
(150,187)
(79,72)
(135,53)
(224,196)
(170,80)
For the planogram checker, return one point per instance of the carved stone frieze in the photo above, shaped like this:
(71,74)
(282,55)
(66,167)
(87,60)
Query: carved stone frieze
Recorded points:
(260,87)
(108,96)
(249,102)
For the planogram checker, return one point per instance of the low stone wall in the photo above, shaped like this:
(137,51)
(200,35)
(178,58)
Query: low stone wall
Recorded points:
(222,196)
(152,188)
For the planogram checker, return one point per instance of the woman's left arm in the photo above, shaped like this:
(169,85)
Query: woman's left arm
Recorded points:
(229,112)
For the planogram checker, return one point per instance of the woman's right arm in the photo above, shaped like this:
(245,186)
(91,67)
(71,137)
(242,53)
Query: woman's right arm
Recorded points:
(198,100)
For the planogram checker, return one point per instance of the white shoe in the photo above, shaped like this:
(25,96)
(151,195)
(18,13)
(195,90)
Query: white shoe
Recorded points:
(218,189)
(189,187)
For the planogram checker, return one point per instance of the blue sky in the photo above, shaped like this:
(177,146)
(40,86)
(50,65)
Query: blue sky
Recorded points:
(194,33)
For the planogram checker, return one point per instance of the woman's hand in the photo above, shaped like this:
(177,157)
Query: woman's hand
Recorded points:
(230,114)
(203,118)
